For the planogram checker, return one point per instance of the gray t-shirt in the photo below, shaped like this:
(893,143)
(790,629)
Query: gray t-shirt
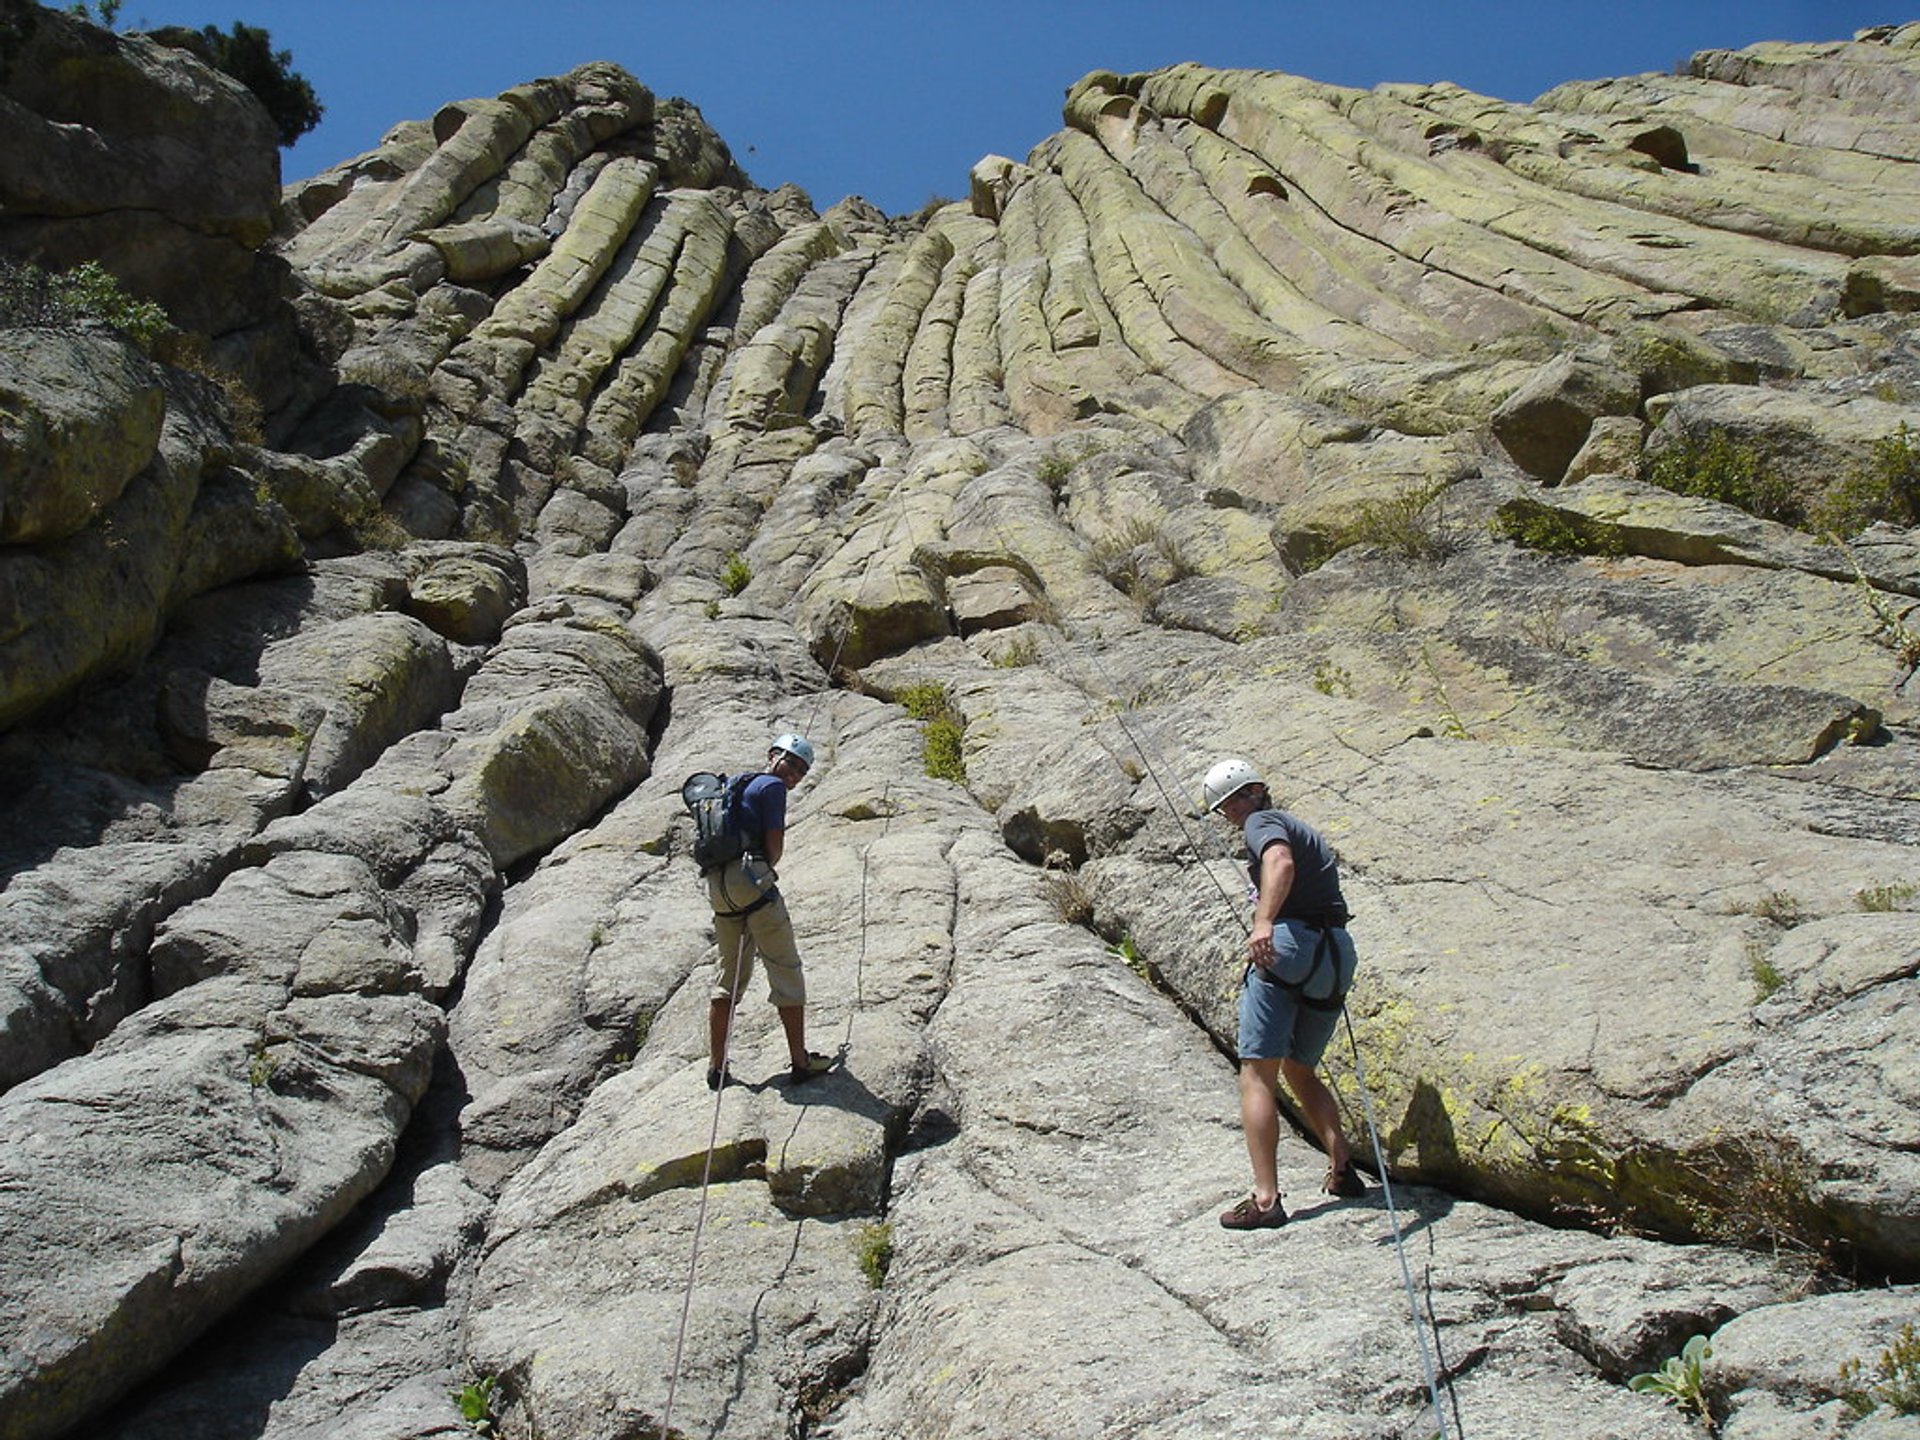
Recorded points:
(1316,873)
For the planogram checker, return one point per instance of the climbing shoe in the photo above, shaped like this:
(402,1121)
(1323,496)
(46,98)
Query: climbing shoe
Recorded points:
(1248,1215)
(718,1078)
(814,1064)
(1345,1182)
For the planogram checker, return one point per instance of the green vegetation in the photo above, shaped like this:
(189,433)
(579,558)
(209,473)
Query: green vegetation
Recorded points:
(1451,724)
(941,730)
(1552,532)
(1409,524)
(1724,469)
(475,1402)
(246,53)
(1756,1195)
(1130,953)
(1890,626)
(1767,978)
(737,574)
(1893,1380)
(1070,897)
(1054,470)
(1140,560)
(1884,897)
(1680,1380)
(1020,651)
(260,1066)
(1779,908)
(1332,679)
(34,298)
(873,1244)
(1886,488)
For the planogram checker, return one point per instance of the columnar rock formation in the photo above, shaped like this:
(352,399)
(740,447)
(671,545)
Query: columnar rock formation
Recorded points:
(352,960)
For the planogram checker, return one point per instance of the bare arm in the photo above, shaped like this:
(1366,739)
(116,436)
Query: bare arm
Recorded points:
(774,842)
(1276,883)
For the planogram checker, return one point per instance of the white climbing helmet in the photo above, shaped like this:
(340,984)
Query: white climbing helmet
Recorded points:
(796,746)
(1224,779)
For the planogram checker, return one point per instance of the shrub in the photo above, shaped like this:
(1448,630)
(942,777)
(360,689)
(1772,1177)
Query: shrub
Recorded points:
(1070,897)
(1893,1381)
(1724,469)
(1331,679)
(1552,533)
(737,575)
(1767,978)
(64,299)
(1408,524)
(1756,1194)
(1779,908)
(1883,897)
(1022,650)
(1886,487)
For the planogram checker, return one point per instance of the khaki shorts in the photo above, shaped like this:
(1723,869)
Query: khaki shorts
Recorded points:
(767,932)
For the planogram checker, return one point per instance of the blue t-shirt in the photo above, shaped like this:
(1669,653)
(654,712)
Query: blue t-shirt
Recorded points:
(1316,873)
(762,807)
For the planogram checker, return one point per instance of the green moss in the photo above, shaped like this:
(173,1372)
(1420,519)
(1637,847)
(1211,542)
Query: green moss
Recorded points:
(942,730)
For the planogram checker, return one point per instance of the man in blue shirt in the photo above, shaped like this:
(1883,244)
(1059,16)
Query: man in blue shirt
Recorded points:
(1300,961)
(750,917)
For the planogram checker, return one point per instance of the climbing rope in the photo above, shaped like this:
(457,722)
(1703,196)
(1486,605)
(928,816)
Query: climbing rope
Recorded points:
(706,1185)
(1420,1323)
(860,958)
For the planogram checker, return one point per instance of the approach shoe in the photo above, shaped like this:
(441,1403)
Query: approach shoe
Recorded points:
(814,1064)
(1345,1182)
(716,1078)
(1248,1215)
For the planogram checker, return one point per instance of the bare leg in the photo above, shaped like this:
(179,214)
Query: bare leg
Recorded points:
(719,1015)
(1260,1119)
(1321,1110)
(793,1019)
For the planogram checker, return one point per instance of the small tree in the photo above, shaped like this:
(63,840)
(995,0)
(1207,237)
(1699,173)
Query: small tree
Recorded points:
(246,53)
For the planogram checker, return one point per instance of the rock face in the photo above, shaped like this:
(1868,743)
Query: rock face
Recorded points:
(1528,490)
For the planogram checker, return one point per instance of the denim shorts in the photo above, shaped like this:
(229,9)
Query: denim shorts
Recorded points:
(1274,1024)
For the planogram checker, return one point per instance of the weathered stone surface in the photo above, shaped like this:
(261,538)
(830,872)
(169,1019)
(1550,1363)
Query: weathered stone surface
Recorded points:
(83,418)
(1543,424)
(136,154)
(356,970)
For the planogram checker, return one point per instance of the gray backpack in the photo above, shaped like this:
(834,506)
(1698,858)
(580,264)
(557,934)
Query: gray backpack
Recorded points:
(714,802)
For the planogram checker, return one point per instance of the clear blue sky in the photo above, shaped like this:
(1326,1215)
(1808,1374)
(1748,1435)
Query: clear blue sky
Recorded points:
(895,99)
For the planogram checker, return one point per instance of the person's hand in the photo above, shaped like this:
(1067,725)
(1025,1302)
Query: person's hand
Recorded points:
(1260,945)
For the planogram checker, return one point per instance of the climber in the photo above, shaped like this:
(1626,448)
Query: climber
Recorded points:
(1300,961)
(750,915)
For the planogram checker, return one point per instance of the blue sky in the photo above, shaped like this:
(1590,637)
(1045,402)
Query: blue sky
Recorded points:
(894,101)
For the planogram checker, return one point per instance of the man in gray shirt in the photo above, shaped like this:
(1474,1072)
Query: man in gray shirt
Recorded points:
(1300,961)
